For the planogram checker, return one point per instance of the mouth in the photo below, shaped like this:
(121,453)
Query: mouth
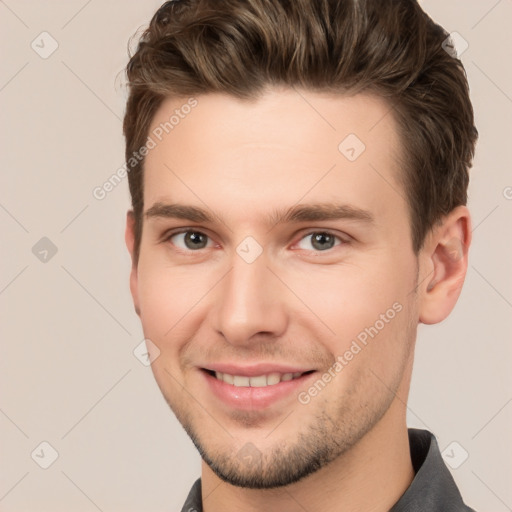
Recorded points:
(262,390)
(256,381)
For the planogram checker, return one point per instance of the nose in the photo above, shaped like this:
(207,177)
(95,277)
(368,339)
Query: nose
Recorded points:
(250,303)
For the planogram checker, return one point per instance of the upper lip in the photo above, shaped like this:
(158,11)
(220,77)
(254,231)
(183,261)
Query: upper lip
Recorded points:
(255,369)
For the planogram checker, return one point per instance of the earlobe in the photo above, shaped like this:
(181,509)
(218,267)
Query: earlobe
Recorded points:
(446,255)
(130,244)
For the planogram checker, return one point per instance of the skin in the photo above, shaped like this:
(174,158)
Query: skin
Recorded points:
(296,303)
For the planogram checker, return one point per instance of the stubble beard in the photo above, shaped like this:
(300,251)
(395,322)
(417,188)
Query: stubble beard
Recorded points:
(289,459)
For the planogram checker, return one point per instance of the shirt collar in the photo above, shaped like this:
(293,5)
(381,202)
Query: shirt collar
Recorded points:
(433,488)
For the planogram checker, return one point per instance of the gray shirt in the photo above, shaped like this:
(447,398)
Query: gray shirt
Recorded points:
(432,490)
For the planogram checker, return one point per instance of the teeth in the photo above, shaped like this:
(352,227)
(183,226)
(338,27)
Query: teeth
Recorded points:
(241,381)
(229,379)
(273,378)
(258,381)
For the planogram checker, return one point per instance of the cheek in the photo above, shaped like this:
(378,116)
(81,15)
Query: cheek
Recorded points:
(160,312)
(172,305)
(369,311)
(385,308)
(163,298)
(348,298)
(157,306)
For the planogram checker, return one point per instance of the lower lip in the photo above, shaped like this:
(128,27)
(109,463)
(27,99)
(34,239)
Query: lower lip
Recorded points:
(249,398)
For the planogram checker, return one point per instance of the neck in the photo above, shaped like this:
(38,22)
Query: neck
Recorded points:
(371,476)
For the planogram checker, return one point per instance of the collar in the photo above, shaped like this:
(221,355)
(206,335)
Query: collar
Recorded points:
(433,488)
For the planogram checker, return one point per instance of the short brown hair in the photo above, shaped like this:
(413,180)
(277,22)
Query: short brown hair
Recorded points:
(387,47)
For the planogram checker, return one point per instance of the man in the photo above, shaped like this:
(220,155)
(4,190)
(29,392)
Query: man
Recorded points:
(298,173)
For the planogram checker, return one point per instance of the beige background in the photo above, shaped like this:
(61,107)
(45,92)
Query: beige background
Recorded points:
(68,375)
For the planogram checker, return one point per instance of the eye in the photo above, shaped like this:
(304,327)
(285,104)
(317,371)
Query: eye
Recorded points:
(189,240)
(320,241)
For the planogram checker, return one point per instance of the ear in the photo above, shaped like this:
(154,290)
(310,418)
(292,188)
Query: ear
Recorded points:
(129,237)
(444,260)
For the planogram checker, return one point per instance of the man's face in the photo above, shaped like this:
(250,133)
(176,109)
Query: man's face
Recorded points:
(256,294)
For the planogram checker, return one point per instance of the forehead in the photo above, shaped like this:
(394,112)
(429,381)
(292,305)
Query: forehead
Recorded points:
(286,145)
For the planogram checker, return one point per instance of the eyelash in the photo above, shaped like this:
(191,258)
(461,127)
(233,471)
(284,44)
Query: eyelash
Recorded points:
(169,235)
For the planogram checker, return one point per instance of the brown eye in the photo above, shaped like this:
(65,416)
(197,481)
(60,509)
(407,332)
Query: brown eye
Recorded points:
(189,240)
(320,241)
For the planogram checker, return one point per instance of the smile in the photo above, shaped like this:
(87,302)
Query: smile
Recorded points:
(258,391)
(257,381)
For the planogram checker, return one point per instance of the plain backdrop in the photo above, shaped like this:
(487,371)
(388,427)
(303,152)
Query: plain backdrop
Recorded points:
(68,376)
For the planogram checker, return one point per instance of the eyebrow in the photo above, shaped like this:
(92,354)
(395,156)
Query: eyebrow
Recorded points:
(293,214)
